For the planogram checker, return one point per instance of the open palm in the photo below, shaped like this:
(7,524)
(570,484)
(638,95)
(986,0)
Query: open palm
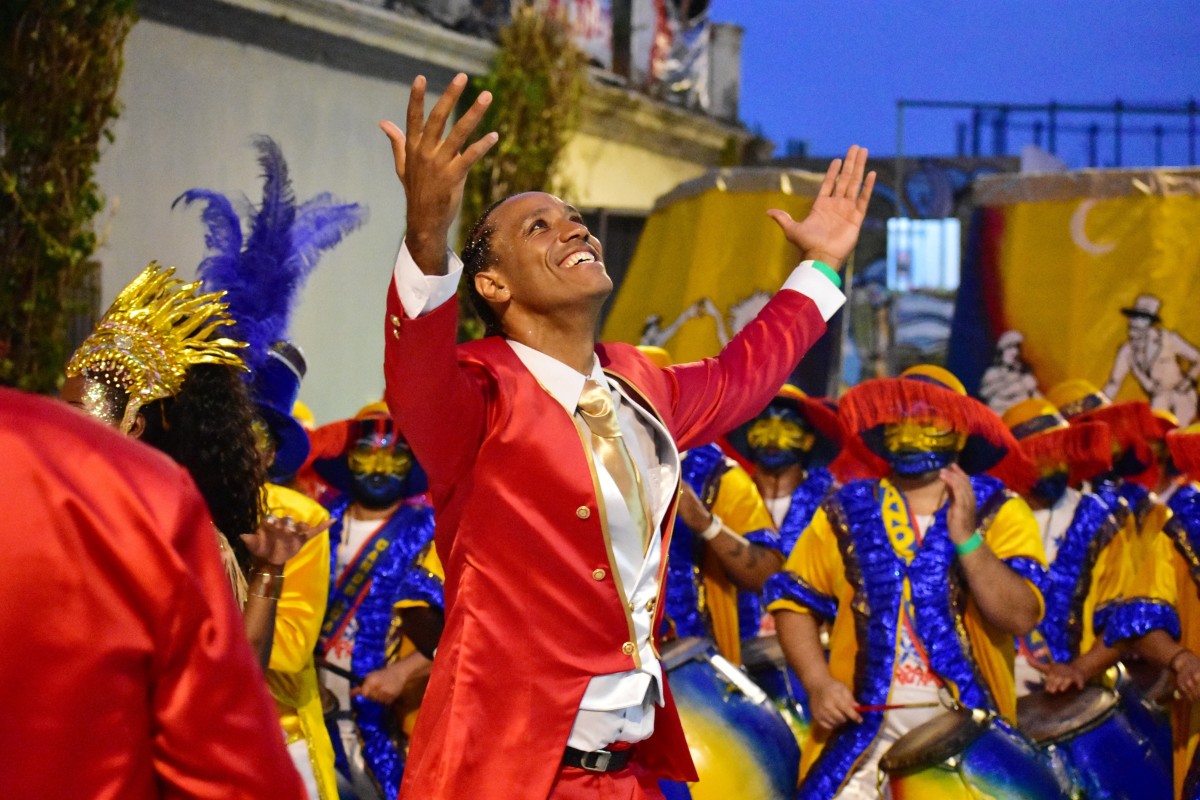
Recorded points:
(830,229)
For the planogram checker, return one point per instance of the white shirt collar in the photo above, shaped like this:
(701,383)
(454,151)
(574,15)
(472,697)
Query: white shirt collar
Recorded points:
(563,383)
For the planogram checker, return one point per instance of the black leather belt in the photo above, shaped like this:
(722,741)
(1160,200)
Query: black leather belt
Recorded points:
(597,760)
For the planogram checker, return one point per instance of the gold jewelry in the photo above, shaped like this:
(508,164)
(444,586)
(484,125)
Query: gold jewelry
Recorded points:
(265,584)
(157,328)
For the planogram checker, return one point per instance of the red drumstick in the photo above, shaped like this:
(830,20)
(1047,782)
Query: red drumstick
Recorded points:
(895,706)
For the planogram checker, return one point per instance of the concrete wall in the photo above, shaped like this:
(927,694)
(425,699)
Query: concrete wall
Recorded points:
(193,98)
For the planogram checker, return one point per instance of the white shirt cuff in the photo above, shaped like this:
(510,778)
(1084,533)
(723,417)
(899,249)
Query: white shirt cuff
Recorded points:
(420,293)
(815,285)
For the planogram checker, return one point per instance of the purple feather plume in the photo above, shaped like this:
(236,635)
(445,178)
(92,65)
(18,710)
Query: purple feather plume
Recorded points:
(283,244)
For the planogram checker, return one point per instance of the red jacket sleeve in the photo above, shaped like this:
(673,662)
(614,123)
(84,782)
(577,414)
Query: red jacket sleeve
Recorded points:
(712,396)
(438,402)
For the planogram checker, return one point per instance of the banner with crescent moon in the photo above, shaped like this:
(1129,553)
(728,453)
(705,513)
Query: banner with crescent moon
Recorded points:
(1083,275)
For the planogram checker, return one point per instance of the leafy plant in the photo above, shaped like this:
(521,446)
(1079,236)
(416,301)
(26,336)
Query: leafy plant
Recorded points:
(537,80)
(61,63)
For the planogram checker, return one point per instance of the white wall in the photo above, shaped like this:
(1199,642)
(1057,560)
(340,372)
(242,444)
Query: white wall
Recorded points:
(191,105)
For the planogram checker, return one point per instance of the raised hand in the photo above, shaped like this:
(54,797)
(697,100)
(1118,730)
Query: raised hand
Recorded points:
(830,230)
(279,538)
(960,515)
(433,168)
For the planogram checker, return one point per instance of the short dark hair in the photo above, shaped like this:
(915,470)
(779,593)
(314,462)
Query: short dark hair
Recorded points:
(476,257)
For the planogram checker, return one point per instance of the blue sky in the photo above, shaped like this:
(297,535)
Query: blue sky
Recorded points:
(830,71)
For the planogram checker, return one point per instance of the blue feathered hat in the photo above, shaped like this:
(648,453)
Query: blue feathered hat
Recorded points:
(262,275)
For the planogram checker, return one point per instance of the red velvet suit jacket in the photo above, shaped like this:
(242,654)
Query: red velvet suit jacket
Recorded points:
(533,607)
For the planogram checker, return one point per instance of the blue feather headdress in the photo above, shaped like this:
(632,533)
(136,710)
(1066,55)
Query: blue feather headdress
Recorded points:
(282,244)
(261,273)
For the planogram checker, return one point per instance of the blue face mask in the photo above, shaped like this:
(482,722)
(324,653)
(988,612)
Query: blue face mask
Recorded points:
(775,460)
(908,463)
(376,490)
(1051,487)
(778,439)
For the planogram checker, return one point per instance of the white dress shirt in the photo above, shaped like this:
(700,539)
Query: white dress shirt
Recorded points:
(615,707)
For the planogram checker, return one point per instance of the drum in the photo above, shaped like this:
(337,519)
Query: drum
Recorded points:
(763,659)
(965,755)
(1146,693)
(740,743)
(1093,743)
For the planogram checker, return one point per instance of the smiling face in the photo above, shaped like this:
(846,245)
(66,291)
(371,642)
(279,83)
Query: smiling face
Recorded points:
(543,259)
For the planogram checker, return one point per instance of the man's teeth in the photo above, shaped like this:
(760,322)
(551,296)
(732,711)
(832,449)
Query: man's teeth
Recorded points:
(578,258)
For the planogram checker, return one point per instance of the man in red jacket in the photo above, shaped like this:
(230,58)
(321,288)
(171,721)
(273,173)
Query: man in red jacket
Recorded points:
(126,672)
(554,466)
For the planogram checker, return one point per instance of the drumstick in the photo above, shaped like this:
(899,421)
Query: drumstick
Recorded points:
(339,671)
(895,706)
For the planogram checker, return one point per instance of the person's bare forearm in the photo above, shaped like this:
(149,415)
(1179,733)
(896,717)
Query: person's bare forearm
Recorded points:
(1099,658)
(1003,596)
(800,638)
(748,565)
(1157,647)
(259,619)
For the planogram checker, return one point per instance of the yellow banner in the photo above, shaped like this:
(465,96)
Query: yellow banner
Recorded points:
(1104,289)
(708,259)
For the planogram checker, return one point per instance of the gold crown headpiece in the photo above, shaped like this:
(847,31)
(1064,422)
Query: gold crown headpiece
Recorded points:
(155,331)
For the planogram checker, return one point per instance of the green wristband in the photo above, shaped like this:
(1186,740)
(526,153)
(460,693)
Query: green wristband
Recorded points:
(828,272)
(970,545)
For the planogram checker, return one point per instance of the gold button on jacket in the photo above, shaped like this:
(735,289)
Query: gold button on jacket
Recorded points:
(628,648)
(599,574)
(583,512)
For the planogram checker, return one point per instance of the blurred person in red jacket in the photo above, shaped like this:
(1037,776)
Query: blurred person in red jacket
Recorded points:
(127,673)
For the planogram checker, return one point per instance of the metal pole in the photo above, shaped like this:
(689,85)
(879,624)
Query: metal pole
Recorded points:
(1117,133)
(1038,129)
(899,177)
(622,22)
(1158,145)
(960,139)
(1192,131)
(976,121)
(1000,132)
(1052,138)
(1093,140)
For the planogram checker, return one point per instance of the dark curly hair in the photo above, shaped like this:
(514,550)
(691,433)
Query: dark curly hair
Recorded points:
(476,257)
(207,428)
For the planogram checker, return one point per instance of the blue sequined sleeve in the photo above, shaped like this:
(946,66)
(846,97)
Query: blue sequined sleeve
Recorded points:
(786,585)
(1137,616)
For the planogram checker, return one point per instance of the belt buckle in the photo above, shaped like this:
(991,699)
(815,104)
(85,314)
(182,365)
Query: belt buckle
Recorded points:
(596,761)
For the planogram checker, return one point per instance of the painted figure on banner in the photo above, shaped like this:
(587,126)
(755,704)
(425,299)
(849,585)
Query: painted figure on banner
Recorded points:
(740,313)
(1009,379)
(1157,357)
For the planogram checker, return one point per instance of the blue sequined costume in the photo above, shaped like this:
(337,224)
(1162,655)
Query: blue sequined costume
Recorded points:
(396,576)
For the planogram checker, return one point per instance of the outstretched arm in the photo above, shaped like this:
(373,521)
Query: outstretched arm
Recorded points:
(437,403)
(717,394)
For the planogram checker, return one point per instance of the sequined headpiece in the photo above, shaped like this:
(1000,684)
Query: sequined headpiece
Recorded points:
(154,332)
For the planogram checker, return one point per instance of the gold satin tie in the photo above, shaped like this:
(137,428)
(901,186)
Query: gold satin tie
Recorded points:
(596,411)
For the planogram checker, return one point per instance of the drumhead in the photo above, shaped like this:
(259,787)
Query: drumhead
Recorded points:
(933,742)
(762,651)
(1048,718)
